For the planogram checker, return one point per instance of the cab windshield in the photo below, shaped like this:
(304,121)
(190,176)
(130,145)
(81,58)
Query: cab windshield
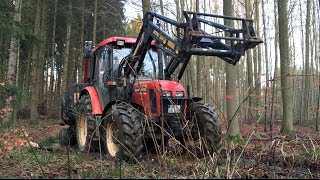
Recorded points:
(150,65)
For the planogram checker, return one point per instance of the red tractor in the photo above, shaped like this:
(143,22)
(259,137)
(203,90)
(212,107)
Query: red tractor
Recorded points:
(128,101)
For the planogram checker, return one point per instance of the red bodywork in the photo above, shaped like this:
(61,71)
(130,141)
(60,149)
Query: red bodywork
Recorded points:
(95,100)
(141,95)
(86,69)
(115,39)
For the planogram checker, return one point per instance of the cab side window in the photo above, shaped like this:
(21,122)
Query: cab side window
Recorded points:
(102,65)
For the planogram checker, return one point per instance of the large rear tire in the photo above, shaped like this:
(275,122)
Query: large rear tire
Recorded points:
(85,125)
(206,129)
(122,133)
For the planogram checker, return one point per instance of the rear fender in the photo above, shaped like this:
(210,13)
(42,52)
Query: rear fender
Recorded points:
(95,99)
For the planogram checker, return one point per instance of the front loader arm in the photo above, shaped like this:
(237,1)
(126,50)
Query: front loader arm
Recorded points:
(131,65)
(200,34)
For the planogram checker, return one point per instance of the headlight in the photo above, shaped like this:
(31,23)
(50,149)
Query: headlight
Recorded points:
(166,93)
(179,94)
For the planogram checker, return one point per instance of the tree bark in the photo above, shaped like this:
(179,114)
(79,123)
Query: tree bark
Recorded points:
(231,83)
(318,99)
(13,57)
(267,65)
(276,40)
(65,76)
(249,67)
(286,84)
(35,65)
(306,88)
(303,61)
(146,6)
(42,51)
(95,22)
(53,54)
(257,60)
(198,64)
(81,44)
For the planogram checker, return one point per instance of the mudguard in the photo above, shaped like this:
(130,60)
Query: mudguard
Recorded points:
(95,99)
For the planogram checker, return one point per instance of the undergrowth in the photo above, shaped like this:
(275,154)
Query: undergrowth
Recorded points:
(255,156)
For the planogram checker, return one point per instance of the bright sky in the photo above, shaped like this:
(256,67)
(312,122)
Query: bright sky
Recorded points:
(133,7)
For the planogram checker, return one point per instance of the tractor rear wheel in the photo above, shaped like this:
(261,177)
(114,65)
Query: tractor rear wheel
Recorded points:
(85,125)
(122,134)
(206,129)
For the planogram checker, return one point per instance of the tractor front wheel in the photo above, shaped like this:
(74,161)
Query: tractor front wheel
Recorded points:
(67,137)
(122,134)
(206,130)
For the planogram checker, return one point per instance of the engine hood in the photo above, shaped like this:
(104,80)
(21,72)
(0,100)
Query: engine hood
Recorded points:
(160,85)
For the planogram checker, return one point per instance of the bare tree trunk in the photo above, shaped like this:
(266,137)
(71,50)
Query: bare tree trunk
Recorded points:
(146,6)
(286,84)
(13,57)
(72,67)
(318,99)
(249,67)
(161,7)
(306,88)
(189,68)
(95,22)
(257,60)
(53,54)
(178,10)
(231,83)
(267,63)
(81,44)
(65,77)
(198,64)
(276,39)
(42,52)
(35,66)
(313,67)
(303,60)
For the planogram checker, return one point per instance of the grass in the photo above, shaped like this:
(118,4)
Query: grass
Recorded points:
(22,163)
(27,162)
(55,165)
(312,152)
(7,125)
(29,123)
(49,141)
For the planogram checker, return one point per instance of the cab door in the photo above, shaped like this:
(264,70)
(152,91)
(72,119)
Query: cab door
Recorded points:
(103,66)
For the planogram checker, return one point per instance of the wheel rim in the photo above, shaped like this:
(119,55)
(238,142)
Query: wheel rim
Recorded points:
(113,147)
(82,130)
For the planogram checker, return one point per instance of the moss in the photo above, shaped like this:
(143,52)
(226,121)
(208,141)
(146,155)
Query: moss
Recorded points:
(238,138)
(288,131)
(48,141)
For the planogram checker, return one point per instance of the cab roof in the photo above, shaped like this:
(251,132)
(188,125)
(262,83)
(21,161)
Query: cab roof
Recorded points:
(109,40)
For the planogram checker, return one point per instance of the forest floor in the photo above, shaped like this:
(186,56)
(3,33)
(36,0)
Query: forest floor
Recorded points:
(31,150)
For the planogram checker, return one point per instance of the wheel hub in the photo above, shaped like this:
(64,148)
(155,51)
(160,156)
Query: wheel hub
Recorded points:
(112,140)
(82,130)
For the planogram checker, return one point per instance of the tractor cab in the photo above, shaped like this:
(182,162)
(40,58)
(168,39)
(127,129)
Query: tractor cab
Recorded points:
(101,62)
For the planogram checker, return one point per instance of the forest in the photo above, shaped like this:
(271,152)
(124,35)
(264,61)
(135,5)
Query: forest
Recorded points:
(267,104)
